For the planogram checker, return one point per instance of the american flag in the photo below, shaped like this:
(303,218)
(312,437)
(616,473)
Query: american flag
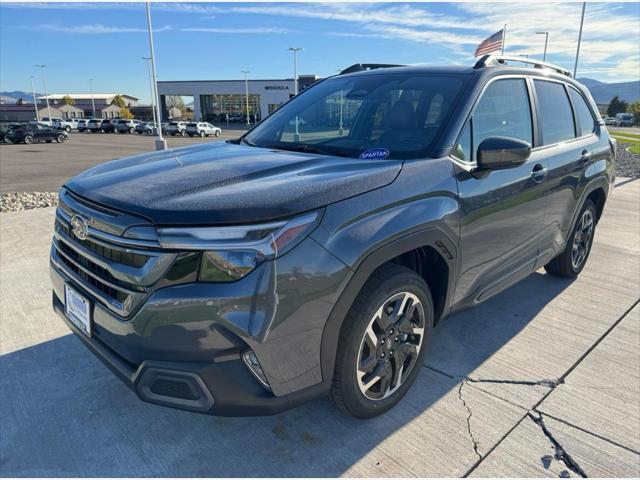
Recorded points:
(491,44)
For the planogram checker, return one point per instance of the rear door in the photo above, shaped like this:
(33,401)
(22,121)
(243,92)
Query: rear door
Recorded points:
(569,137)
(502,212)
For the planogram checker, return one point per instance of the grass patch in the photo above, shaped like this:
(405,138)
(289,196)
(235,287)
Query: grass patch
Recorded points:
(635,148)
(630,135)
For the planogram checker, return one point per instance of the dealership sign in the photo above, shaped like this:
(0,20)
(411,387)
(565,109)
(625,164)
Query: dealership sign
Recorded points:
(276,87)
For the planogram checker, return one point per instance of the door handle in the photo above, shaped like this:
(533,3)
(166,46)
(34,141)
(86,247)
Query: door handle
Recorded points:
(539,173)
(585,156)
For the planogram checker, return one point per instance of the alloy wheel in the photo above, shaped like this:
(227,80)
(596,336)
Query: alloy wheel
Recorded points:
(390,346)
(582,239)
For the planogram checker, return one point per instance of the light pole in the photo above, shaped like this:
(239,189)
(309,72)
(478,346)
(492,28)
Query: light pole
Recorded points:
(161,144)
(44,83)
(546,39)
(35,102)
(153,92)
(246,91)
(295,51)
(575,67)
(93,103)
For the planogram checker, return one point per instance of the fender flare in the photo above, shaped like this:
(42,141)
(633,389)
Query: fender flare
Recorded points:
(595,184)
(433,237)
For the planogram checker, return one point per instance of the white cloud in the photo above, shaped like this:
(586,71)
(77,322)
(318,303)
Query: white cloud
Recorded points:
(249,30)
(94,29)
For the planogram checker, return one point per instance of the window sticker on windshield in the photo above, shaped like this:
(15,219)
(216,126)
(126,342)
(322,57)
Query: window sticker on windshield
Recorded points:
(374,154)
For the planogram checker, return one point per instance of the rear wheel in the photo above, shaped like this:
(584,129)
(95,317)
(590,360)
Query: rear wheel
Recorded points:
(28,139)
(131,129)
(202,134)
(182,133)
(383,342)
(61,138)
(67,128)
(217,134)
(570,263)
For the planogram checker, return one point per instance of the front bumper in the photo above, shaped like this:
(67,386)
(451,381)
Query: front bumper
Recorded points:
(224,387)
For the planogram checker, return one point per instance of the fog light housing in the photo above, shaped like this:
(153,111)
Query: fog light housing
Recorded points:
(251,361)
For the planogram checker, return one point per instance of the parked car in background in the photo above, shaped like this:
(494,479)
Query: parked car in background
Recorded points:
(94,125)
(66,124)
(177,128)
(609,120)
(82,124)
(164,126)
(109,125)
(36,132)
(127,125)
(202,129)
(624,120)
(5,128)
(49,122)
(145,128)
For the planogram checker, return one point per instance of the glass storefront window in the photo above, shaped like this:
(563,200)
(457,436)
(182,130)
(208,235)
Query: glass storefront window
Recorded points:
(230,107)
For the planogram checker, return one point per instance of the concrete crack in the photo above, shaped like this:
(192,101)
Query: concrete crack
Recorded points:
(560,453)
(545,382)
(469,415)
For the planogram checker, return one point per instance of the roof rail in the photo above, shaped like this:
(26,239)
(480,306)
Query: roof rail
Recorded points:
(494,60)
(361,67)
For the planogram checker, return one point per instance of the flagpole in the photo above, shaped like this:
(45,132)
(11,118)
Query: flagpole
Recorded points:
(504,37)
(575,67)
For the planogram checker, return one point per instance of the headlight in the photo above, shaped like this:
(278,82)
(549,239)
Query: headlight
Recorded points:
(230,253)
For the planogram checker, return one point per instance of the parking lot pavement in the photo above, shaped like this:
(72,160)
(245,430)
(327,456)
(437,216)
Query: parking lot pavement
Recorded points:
(546,353)
(44,167)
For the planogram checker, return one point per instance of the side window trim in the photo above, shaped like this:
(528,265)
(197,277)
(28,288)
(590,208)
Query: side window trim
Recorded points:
(576,120)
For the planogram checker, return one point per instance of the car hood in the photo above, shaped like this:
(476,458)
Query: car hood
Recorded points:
(228,184)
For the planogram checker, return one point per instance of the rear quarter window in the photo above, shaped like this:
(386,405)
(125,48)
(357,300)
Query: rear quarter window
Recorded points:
(587,124)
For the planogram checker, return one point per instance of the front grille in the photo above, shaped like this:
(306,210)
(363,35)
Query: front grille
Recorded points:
(116,255)
(112,293)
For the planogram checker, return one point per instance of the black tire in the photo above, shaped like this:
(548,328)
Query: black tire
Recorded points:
(388,281)
(173,134)
(182,133)
(566,265)
(67,128)
(6,139)
(131,129)
(28,139)
(202,134)
(49,141)
(61,138)
(191,134)
(217,134)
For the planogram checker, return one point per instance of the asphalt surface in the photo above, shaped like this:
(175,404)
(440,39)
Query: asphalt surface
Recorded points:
(541,380)
(44,167)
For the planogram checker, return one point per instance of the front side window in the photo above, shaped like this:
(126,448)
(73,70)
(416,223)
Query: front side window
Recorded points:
(397,113)
(583,112)
(503,111)
(555,112)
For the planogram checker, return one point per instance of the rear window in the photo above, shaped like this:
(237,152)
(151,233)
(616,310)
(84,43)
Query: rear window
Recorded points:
(555,112)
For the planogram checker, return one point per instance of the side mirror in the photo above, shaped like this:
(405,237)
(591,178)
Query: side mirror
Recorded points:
(497,153)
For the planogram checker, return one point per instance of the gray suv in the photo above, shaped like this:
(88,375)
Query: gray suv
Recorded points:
(315,254)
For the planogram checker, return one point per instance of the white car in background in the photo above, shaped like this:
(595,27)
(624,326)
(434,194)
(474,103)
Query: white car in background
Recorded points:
(49,122)
(202,129)
(177,128)
(66,124)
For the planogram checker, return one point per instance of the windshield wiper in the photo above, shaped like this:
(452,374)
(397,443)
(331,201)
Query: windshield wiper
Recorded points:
(306,148)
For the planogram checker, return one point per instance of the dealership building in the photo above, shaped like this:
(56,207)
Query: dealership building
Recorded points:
(221,100)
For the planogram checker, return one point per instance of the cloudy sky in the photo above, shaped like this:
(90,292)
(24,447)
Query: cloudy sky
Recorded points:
(217,40)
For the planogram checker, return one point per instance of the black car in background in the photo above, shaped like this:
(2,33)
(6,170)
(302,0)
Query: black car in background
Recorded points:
(5,127)
(35,132)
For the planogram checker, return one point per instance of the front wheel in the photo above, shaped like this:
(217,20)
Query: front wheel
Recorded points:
(383,342)
(182,133)
(28,139)
(570,263)
(61,138)
(217,134)
(67,128)
(202,134)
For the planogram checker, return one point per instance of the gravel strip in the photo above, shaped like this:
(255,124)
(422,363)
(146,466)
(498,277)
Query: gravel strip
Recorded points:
(18,201)
(627,164)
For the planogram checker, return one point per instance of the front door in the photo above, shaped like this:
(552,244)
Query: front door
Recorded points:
(502,212)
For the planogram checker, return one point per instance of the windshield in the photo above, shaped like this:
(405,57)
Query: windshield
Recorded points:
(394,115)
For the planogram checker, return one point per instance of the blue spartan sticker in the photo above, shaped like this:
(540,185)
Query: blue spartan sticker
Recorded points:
(374,153)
